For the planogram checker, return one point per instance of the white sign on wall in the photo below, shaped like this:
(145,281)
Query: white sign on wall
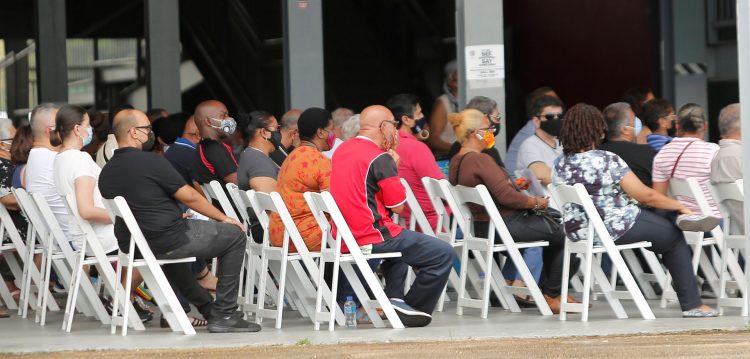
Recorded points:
(485,62)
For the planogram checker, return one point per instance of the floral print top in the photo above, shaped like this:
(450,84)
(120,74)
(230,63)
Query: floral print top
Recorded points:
(600,172)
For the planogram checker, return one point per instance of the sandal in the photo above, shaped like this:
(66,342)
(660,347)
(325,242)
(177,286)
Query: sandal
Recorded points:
(195,322)
(4,313)
(200,277)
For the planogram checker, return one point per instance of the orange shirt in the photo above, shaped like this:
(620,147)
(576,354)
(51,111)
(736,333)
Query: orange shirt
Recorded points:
(305,170)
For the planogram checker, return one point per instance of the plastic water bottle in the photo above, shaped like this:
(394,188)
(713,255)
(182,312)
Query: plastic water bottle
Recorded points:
(481,283)
(350,312)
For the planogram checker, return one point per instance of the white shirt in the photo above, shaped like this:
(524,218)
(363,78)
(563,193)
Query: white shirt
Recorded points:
(330,152)
(106,151)
(40,179)
(73,164)
(534,149)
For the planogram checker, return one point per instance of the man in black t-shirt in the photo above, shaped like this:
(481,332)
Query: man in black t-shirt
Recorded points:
(152,189)
(621,137)
(214,159)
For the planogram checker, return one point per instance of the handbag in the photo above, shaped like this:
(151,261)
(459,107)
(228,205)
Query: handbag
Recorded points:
(528,222)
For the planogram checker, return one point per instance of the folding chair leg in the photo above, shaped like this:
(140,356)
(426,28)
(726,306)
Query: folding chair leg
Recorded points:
(632,288)
(72,295)
(565,285)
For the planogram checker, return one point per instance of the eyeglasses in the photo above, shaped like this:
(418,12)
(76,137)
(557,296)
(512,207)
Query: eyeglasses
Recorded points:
(491,128)
(389,121)
(671,117)
(553,116)
(494,118)
(269,128)
(196,134)
(7,141)
(147,127)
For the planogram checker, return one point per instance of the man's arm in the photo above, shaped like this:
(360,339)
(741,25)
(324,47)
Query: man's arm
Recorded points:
(195,201)
(542,172)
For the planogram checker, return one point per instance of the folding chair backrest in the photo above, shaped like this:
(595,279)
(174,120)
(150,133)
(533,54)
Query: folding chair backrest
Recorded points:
(119,208)
(266,203)
(322,204)
(461,213)
(30,212)
(92,241)
(318,208)
(578,195)
(691,189)
(418,217)
(480,196)
(443,228)
(240,200)
(215,192)
(8,228)
(49,218)
(723,192)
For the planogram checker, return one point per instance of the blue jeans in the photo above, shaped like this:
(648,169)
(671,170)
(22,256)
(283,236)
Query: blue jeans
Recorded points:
(432,257)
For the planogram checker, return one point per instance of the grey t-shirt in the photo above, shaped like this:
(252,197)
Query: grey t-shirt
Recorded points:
(533,149)
(254,163)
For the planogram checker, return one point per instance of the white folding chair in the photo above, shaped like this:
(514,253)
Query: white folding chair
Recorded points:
(691,189)
(264,204)
(57,253)
(322,204)
(150,269)
(446,230)
(733,242)
(251,264)
(103,264)
(484,250)
(593,273)
(213,191)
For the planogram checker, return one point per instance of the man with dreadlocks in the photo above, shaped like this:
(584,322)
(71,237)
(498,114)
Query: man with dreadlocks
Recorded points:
(614,189)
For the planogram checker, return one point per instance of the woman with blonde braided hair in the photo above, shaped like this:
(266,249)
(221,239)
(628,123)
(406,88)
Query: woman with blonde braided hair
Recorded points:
(616,192)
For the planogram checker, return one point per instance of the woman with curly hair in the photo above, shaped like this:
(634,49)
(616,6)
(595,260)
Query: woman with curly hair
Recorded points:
(616,192)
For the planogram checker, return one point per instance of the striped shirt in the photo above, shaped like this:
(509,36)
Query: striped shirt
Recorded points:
(694,163)
(657,142)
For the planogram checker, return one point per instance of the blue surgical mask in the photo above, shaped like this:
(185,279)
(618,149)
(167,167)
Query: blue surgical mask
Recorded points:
(638,126)
(89,136)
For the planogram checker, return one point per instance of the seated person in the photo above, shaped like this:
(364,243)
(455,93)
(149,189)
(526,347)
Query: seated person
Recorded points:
(7,171)
(727,165)
(75,172)
(636,97)
(153,192)
(488,107)
(367,189)
(621,140)
(470,168)
(614,189)
(289,136)
(214,159)
(687,156)
(306,169)
(414,154)
(539,151)
(257,171)
(659,117)
(528,130)
(19,154)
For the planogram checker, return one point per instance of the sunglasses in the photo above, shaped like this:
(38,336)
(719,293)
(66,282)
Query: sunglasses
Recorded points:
(553,116)
(147,127)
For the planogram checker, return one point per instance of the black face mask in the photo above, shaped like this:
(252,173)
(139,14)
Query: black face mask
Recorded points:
(149,144)
(552,127)
(497,129)
(275,139)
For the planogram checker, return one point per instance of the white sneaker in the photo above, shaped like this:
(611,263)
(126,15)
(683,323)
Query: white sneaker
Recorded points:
(697,222)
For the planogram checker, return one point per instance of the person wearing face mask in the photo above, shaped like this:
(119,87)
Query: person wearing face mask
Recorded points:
(488,107)
(367,189)
(305,170)
(621,136)
(539,151)
(257,171)
(75,172)
(470,167)
(154,190)
(659,116)
(289,136)
(214,159)
(415,155)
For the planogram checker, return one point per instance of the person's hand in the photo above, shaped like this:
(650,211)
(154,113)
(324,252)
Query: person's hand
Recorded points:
(230,220)
(396,157)
(543,202)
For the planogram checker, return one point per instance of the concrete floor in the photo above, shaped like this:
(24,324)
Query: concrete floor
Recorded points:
(19,335)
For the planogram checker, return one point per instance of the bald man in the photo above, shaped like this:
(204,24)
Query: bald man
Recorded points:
(153,189)
(289,136)
(214,159)
(367,189)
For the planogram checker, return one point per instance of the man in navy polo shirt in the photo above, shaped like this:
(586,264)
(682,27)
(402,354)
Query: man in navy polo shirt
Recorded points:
(367,189)
(181,154)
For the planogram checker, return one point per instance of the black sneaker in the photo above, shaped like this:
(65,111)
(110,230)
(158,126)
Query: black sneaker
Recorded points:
(143,311)
(231,324)
(409,316)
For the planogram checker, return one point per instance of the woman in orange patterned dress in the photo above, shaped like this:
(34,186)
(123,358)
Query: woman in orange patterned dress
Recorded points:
(305,170)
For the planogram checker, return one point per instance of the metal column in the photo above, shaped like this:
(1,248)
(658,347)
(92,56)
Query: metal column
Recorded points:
(17,76)
(304,82)
(666,25)
(743,54)
(51,54)
(163,55)
(481,55)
